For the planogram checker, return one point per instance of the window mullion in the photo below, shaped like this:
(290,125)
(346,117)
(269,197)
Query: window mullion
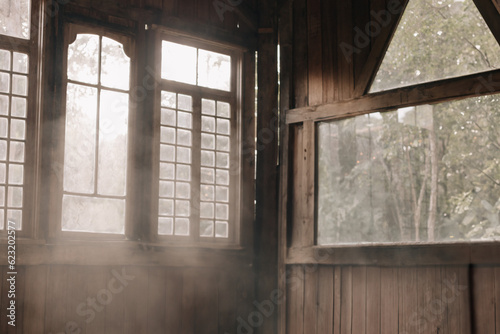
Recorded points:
(194,229)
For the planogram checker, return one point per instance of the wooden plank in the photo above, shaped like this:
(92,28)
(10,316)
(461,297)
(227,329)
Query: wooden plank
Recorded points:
(408,306)
(55,306)
(389,303)
(96,284)
(173,300)
(465,288)
(297,186)
(206,304)
(226,287)
(300,61)
(373,300)
(359,299)
(483,310)
(315,61)
(361,20)
(156,300)
(295,301)
(136,301)
(438,91)
(76,295)
(337,299)
(114,314)
(308,179)
(189,281)
(488,10)
(346,301)
(35,295)
(311,300)
(497,299)
(345,36)
(329,57)
(449,298)
(325,300)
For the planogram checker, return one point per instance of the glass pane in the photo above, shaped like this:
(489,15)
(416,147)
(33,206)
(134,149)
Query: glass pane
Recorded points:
(4,105)
(2,222)
(167,153)
(184,155)
(165,226)
(183,173)
(207,193)
(222,194)
(221,229)
(221,211)
(185,102)
(222,177)
(19,84)
(83,58)
(4,82)
(184,120)
(207,175)
(207,141)
(178,62)
(206,210)
(89,214)
(182,190)
(3,150)
(16,173)
(428,173)
(432,44)
(4,126)
(223,110)
(168,117)
(223,143)
(113,129)
(182,208)
(17,129)
(4,60)
(168,99)
(2,196)
(167,171)
(15,18)
(115,67)
(167,189)
(207,124)
(223,126)
(184,137)
(181,226)
(18,107)
(166,207)
(222,160)
(80,139)
(167,135)
(16,152)
(15,216)
(214,70)
(20,62)
(208,107)
(206,228)
(207,158)
(3,173)
(15,197)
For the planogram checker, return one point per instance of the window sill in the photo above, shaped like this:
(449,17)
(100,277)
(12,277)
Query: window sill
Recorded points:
(457,253)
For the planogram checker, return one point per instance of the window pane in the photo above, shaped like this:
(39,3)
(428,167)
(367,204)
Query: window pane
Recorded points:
(115,67)
(20,62)
(4,105)
(15,18)
(4,60)
(89,214)
(80,139)
(178,62)
(214,70)
(432,44)
(165,226)
(83,59)
(18,107)
(427,173)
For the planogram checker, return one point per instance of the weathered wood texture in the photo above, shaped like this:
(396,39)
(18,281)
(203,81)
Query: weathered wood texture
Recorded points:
(131,299)
(429,299)
(336,46)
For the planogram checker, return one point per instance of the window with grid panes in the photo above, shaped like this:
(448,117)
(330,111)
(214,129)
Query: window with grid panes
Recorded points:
(198,143)
(18,49)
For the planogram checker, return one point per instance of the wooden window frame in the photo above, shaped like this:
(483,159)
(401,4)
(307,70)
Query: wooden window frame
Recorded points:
(234,98)
(301,225)
(32,47)
(71,29)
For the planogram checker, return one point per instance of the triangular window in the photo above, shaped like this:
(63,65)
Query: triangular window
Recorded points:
(437,40)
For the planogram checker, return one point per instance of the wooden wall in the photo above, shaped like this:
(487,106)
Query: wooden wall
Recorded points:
(54,299)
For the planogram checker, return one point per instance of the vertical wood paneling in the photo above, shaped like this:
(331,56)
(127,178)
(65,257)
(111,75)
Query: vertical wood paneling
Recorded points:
(311,300)
(497,299)
(298,191)
(337,307)
(136,301)
(359,299)
(114,322)
(96,284)
(300,77)
(76,294)
(325,300)
(206,303)
(315,61)
(188,300)
(408,310)
(329,48)
(226,290)
(156,300)
(55,306)
(345,35)
(35,294)
(346,301)
(483,308)
(173,310)
(373,300)
(389,300)
(295,298)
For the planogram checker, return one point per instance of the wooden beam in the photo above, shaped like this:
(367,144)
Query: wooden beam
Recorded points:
(378,50)
(491,16)
(438,91)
